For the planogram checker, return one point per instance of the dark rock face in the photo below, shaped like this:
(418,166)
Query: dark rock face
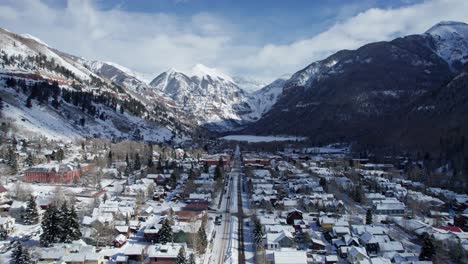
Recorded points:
(378,94)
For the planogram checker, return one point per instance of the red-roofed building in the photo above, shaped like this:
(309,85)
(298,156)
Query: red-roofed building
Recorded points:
(454,229)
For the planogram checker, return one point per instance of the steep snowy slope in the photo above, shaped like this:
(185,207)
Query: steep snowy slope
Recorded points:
(63,123)
(450,40)
(263,100)
(117,73)
(24,49)
(209,95)
(111,89)
(214,98)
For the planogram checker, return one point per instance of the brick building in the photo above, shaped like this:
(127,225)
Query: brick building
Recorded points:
(53,173)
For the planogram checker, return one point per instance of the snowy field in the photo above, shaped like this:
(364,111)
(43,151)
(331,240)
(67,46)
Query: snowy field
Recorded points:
(253,139)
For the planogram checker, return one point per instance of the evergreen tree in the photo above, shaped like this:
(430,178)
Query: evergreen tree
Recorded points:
(31,215)
(191,259)
(64,227)
(3,233)
(202,240)
(28,102)
(11,160)
(160,165)
(25,257)
(137,164)
(16,254)
(60,155)
(20,255)
(29,161)
(50,227)
(150,163)
(219,170)
(369,217)
(127,160)
(173,179)
(1,106)
(165,234)
(258,233)
(181,257)
(427,250)
(109,159)
(74,225)
(55,103)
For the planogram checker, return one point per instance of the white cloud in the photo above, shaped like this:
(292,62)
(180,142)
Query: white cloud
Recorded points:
(154,42)
(369,26)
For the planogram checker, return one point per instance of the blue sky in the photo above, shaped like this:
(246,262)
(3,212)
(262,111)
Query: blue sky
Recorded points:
(275,21)
(261,39)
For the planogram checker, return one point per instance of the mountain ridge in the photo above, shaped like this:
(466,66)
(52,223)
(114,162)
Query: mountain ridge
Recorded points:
(363,95)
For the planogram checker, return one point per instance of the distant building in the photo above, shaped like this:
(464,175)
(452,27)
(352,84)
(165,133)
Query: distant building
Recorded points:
(54,173)
(165,254)
(389,207)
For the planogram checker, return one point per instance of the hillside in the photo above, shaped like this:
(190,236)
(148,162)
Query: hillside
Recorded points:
(365,95)
(26,61)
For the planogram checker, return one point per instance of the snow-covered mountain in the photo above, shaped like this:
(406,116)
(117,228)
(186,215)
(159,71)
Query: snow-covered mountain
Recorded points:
(380,93)
(450,41)
(263,100)
(108,98)
(176,100)
(214,98)
(117,73)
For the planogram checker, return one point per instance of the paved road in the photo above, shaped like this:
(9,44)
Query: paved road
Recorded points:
(222,246)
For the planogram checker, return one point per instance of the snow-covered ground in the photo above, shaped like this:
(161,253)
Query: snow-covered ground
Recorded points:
(252,138)
(61,124)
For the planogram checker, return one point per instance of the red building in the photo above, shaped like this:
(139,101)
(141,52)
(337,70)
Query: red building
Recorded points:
(52,173)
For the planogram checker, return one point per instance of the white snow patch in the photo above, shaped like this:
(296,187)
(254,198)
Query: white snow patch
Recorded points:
(252,138)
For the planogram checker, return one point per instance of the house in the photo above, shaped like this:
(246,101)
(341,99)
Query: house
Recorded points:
(74,253)
(150,233)
(357,254)
(331,259)
(134,253)
(340,231)
(123,230)
(327,223)
(391,246)
(289,257)
(120,240)
(164,254)
(389,207)
(52,173)
(50,255)
(188,216)
(83,258)
(279,240)
(317,245)
(293,215)
(371,241)
(121,259)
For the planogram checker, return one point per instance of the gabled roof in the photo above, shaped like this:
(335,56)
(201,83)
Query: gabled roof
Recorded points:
(391,246)
(356,251)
